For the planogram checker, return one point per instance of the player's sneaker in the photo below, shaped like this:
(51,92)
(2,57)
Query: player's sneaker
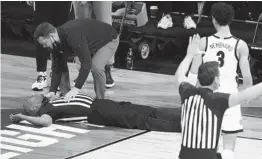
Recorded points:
(109,80)
(165,22)
(40,83)
(189,23)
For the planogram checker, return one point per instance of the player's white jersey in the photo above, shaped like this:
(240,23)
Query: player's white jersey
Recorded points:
(224,51)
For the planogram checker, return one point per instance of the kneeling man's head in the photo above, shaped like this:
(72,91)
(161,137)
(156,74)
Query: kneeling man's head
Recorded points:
(44,34)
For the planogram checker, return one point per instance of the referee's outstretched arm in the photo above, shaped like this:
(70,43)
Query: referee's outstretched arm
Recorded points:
(183,67)
(245,95)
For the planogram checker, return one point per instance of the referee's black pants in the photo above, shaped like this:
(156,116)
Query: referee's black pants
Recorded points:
(133,116)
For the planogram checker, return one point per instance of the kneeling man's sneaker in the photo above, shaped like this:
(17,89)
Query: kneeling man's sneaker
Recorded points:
(40,83)
(109,80)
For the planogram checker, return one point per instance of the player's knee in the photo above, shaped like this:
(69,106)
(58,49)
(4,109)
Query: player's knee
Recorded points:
(229,141)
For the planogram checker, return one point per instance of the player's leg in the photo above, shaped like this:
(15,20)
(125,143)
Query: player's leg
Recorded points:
(231,126)
(229,142)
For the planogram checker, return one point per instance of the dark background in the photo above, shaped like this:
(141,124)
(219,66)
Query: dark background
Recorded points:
(17,26)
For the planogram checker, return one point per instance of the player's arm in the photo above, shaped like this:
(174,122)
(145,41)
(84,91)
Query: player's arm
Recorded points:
(197,61)
(193,45)
(243,54)
(44,120)
(245,95)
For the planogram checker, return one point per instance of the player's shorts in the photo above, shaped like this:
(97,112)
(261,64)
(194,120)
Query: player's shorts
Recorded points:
(232,120)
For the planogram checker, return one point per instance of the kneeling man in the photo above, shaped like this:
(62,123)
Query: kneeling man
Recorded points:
(84,38)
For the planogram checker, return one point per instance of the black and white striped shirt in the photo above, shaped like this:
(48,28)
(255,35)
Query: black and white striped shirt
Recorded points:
(201,118)
(58,109)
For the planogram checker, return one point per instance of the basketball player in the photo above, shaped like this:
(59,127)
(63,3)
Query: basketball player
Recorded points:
(83,38)
(230,52)
(203,108)
(101,11)
(39,111)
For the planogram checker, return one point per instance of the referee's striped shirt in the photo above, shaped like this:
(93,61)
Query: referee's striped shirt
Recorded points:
(78,107)
(201,118)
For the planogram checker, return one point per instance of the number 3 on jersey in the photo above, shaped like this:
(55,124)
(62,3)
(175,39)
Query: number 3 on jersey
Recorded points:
(221,56)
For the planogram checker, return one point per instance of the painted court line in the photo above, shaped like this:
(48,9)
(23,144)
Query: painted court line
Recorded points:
(161,145)
(97,148)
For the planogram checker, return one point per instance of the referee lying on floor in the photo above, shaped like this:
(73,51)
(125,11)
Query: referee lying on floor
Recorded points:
(39,111)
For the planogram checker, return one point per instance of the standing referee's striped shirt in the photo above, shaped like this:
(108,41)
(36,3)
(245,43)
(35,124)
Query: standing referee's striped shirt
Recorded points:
(201,118)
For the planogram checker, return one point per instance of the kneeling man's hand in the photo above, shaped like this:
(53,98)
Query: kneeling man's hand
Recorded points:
(71,94)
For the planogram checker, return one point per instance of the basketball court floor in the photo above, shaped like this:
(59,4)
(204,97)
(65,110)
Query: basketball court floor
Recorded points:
(80,140)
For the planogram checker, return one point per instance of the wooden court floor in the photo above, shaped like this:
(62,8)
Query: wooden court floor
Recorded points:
(18,74)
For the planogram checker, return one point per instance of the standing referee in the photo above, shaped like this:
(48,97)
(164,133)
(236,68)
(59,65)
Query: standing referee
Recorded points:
(203,108)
